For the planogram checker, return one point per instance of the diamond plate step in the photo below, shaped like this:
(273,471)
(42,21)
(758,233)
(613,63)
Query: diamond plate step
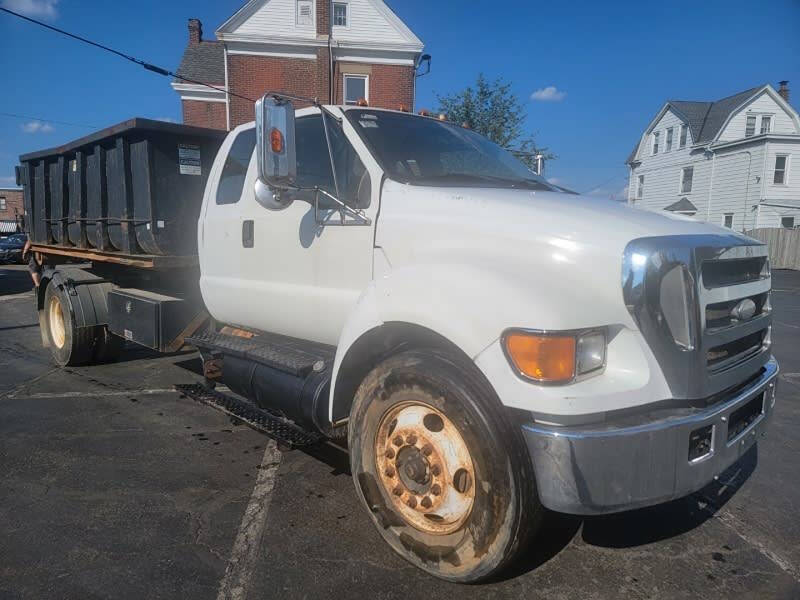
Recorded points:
(290,355)
(280,429)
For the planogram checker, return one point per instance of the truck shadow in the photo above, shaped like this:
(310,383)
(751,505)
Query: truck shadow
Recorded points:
(656,523)
(633,528)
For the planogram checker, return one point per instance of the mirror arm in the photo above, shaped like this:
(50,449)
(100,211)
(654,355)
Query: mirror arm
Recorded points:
(330,155)
(343,208)
(312,101)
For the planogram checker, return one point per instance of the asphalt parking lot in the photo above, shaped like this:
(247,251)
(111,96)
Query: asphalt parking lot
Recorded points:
(115,486)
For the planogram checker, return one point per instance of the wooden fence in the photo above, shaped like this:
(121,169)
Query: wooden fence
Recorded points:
(784,246)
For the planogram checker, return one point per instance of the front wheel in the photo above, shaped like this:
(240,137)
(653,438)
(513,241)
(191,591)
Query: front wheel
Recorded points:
(444,475)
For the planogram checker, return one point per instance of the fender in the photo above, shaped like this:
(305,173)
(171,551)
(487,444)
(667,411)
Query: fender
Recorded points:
(454,302)
(87,294)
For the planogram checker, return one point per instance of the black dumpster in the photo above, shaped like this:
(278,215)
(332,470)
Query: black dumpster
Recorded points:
(134,188)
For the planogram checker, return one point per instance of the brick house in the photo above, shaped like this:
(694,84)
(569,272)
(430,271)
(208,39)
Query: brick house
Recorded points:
(11,209)
(337,52)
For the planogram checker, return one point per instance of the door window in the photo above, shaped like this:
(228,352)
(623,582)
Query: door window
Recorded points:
(231,182)
(314,164)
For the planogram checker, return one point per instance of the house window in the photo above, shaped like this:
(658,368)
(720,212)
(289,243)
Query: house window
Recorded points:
(305,12)
(682,142)
(781,162)
(750,128)
(766,121)
(727,220)
(356,87)
(669,140)
(687,174)
(656,136)
(640,188)
(340,14)
(2,203)
(787,222)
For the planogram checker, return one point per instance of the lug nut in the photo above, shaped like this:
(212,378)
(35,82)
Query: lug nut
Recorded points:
(426,502)
(436,489)
(398,441)
(436,469)
(427,450)
(398,491)
(389,472)
(411,440)
(389,453)
(412,502)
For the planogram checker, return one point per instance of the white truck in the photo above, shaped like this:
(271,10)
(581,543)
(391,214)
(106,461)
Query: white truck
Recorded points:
(490,346)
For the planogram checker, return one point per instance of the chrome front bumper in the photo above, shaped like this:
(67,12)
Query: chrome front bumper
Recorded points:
(610,468)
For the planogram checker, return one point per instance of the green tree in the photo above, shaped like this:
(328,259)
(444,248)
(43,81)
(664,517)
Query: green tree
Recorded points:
(492,109)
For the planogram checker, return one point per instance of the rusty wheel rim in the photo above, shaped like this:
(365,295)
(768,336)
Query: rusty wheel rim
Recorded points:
(56,317)
(425,467)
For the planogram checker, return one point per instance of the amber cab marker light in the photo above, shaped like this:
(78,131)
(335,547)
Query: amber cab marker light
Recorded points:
(545,358)
(276,140)
(362,102)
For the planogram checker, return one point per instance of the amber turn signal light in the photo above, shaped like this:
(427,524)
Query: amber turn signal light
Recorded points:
(545,358)
(276,140)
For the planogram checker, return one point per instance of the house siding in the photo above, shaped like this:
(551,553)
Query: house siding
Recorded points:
(662,171)
(763,104)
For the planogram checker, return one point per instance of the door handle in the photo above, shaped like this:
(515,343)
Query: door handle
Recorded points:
(248,234)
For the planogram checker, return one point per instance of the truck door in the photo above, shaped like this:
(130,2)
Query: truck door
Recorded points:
(286,273)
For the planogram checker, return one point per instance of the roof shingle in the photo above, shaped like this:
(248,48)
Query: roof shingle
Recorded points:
(203,62)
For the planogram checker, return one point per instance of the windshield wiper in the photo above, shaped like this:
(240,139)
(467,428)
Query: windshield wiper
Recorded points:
(510,182)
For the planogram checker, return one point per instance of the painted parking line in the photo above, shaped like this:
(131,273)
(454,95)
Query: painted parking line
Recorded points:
(246,547)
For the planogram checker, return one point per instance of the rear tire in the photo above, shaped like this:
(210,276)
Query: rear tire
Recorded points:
(107,347)
(444,475)
(69,345)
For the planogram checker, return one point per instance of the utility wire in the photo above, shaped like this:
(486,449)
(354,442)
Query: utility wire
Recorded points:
(5,114)
(133,59)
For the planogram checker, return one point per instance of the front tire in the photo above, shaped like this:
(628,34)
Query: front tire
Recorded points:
(445,476)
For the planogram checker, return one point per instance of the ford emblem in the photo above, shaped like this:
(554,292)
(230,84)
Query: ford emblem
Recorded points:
(744,311)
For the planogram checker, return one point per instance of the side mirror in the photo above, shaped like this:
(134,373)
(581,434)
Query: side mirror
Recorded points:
(275,148)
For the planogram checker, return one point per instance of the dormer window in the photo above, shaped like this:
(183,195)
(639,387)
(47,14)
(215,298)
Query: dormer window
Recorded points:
(750,127)
(682,142)
(340,14)
(656,136)
(305,12)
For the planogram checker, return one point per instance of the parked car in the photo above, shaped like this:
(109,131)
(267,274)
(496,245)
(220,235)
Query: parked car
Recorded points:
(11,248)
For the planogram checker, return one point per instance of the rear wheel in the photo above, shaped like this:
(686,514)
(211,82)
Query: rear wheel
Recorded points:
(69,345)
(107,346)
(443,473)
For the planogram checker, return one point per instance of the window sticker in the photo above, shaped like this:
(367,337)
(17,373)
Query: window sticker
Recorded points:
(368,124)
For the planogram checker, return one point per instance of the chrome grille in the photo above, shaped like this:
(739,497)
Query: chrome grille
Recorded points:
(711,329)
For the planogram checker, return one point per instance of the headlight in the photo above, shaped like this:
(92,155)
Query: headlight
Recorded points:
(555,357)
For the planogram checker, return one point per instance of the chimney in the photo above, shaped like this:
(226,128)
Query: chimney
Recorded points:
(195,31)
(783,90)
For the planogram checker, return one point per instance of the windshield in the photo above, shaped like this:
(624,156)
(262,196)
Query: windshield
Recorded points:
(424,151)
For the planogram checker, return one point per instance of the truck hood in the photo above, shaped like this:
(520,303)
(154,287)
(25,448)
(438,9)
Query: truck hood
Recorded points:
(562,249)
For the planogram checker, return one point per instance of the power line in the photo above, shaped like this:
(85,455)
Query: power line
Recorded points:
(133,59)
(25,117)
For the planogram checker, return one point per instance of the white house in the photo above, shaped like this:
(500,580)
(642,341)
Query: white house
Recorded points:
(734,162)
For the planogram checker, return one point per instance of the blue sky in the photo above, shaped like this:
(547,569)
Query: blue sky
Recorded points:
(612,66)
